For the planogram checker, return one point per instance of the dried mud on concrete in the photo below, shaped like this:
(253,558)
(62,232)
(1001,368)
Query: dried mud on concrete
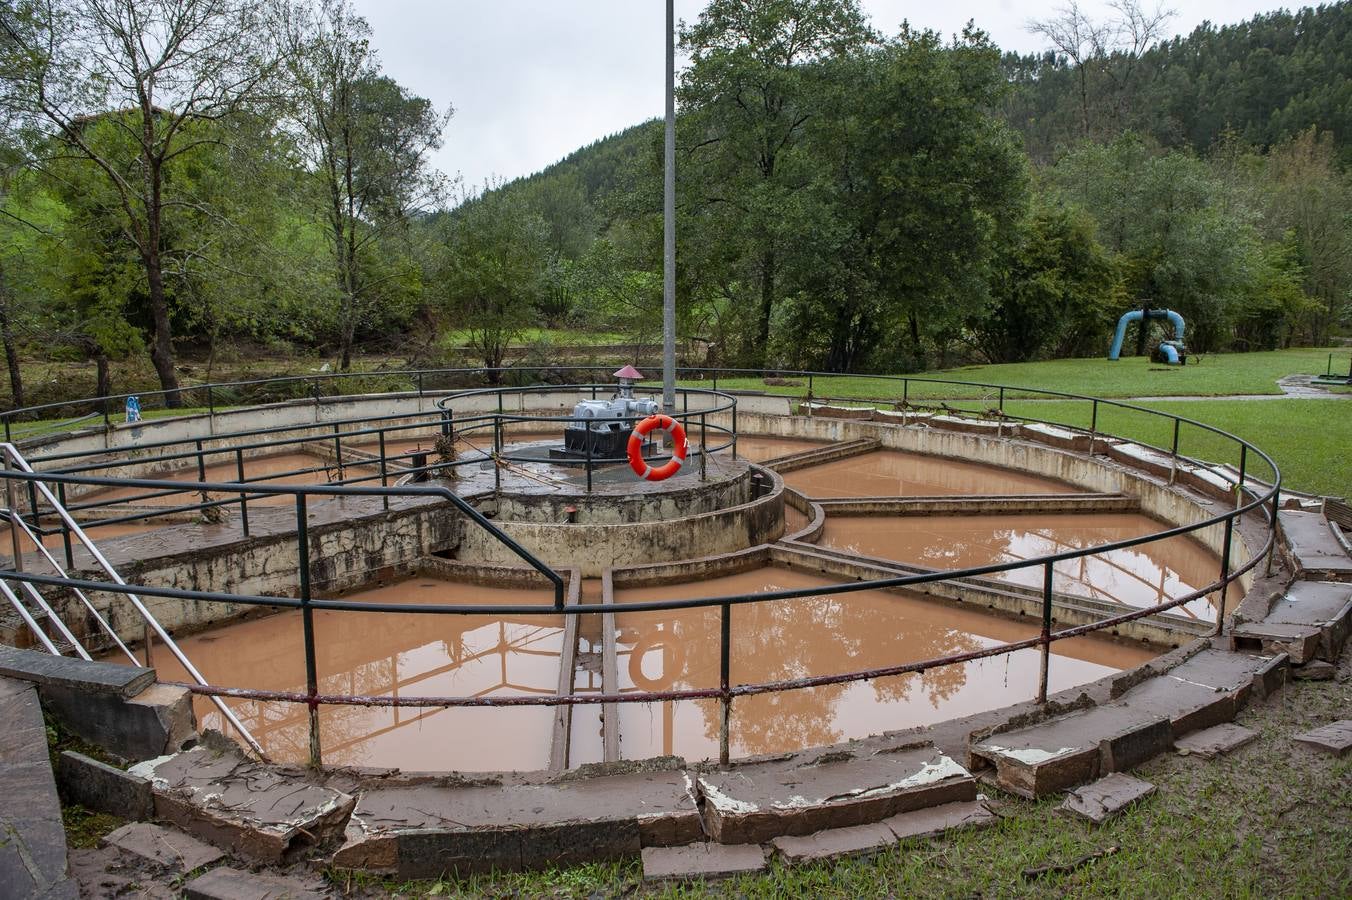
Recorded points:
(1270,819)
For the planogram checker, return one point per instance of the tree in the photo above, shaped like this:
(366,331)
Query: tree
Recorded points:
(1104,55)
(749,95)
(493,271)
(150,70)
(928,182)
(366,142)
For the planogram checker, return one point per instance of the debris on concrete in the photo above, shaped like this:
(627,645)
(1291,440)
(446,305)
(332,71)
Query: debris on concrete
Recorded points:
(754,803)
(257,811)
(1215,741)
(1105,798)
(166,848)
(1335,739)
(701,861)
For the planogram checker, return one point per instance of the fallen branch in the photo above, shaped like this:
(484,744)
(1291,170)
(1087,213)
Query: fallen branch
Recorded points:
(1042,871)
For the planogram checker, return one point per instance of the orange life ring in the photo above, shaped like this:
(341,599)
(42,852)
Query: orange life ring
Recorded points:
(673,465)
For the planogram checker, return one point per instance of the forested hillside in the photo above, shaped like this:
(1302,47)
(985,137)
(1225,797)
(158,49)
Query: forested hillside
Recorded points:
(217,178)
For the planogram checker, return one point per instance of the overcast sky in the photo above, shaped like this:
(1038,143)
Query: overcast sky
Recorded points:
(533,80)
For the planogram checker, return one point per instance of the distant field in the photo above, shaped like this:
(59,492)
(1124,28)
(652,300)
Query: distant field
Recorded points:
(1216,376)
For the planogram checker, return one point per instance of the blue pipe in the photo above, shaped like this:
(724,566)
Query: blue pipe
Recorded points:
(1170,354)
(1136,315)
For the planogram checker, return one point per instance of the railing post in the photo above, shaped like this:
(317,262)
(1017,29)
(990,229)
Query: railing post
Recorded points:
(1173,467)
(338,450)
(905,392)
(308,627)
(724,679)
(211,403)
(201,473)
(734,430)
(703,470)
(809,395)
(1272,528)
(1093,425)
(12,501)
(65,526)
(1225,573)
(9,438)
(1239,488)
(243,495)
(384,468)
(1045,640)
(587,442)
(497,451)
(420,386)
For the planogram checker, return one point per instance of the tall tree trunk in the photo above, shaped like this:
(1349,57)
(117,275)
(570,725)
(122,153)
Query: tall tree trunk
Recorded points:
(11,351)
(916,346)
(162,349)
(105,378)
(766,307)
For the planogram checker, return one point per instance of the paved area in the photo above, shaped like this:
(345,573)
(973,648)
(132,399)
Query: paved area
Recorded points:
(32,839)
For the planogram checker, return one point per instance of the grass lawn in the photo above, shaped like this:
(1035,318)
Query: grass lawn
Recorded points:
(1216,376)
(1311,440)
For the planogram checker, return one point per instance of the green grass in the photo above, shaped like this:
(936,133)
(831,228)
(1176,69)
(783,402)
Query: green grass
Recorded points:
(1216,376)
(1310,440)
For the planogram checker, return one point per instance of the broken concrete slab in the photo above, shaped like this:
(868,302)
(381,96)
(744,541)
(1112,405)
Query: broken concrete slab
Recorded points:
(1100,801)
(257,811)
(45,669)
(705,861)
(1334,738)
(102,788)
(937,820)
(1312,546)
(166,848)
(1299,642)
(1068,750)
(833,843)
(1226,670)
(426,831)
(1315,670)
(225,883)
(157,720)
(758,802)
(33,846)
(1186,704)
(1323,604)
(1216,740)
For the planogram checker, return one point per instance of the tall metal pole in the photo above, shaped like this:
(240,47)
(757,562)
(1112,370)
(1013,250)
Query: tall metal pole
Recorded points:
(669,227)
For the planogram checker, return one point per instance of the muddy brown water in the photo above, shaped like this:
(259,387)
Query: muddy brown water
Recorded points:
(393,653)
(1138,576)
(895,473)
(759,448)
(821,636)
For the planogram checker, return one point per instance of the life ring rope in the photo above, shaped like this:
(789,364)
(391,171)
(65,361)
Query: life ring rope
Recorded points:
(673,465)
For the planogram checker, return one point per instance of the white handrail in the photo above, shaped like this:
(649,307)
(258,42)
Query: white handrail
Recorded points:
(14,455)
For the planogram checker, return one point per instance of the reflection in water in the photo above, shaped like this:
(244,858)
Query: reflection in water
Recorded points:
(820,636)
(759,447)
(399,654)
(894,473)
(1137,576)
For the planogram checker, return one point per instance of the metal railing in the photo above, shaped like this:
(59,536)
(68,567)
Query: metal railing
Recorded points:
(1251,497)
